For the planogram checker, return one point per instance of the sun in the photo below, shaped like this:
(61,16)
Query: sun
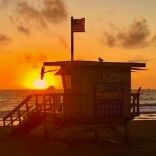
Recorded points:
(32,80)
(40,84)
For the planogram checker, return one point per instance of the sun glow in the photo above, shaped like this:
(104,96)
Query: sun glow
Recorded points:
(40,84)
(32,81)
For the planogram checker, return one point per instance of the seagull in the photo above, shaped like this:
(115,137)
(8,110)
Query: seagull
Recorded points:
(100,59)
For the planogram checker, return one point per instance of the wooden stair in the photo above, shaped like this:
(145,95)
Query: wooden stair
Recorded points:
(34,120)
(31,112)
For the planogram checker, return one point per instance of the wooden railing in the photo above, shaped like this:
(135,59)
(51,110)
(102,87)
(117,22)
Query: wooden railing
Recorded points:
(49,103)
(39,103)
(135,103)
(53,103)
(16,116)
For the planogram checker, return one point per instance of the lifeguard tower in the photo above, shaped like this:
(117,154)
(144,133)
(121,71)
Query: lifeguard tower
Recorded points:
(95,93)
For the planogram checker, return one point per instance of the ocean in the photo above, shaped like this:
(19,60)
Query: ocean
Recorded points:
(9,99)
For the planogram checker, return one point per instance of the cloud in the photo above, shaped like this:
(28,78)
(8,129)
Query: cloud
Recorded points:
(136,35)
(33,60)
(25,12)
(4,39)
(38,13)
(53,11)
(4,3)
(139,59)
(23,30)
(62,40)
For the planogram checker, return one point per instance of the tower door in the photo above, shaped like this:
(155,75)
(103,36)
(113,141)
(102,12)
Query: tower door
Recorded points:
(108,100)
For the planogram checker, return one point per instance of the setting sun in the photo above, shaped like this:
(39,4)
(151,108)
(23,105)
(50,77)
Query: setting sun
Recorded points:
(31,80)
(40,84)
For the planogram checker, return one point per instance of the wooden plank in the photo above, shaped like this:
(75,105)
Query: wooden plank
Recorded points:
(19,116)
(94,63)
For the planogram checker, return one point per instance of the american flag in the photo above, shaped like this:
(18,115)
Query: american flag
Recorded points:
(78,25)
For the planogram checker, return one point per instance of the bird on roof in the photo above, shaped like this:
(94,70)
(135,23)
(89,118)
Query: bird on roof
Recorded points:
(100,59)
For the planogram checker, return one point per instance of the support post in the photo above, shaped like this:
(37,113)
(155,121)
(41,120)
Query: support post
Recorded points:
(72,40)
(27,109)
(96,134)
(45,130)
(126,135)
(19,116)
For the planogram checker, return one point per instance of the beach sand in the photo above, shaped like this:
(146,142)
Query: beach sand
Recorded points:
(142,143)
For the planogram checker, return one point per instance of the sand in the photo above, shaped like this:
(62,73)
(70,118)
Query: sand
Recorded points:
(142,143)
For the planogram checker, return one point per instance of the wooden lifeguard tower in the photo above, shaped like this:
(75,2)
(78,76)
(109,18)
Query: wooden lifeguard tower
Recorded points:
(95,93)
(98,92)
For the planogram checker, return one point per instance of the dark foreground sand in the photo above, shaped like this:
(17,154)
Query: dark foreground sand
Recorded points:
(142,143)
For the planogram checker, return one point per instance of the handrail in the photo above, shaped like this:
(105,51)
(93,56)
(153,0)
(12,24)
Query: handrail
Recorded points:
(17,107)
(39,104)
(135,103)
(17,112)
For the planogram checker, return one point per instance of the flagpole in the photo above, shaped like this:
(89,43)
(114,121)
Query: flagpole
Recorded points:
(72,40)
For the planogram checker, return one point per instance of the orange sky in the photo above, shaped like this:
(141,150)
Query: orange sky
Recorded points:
(32,31)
